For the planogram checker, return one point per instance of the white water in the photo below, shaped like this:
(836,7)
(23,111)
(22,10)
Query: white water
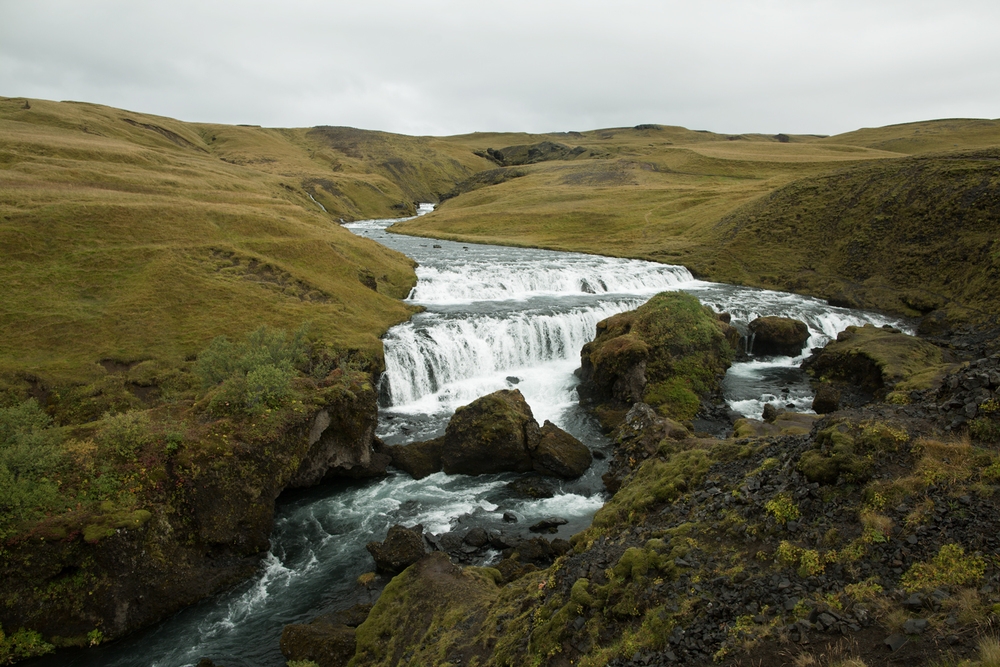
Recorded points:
(496,317)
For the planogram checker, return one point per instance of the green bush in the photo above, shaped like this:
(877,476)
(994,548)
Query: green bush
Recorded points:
(254,374)
(30,454)
(125,433)
(21,645)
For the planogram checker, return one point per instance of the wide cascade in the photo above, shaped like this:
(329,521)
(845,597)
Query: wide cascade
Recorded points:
(495,318)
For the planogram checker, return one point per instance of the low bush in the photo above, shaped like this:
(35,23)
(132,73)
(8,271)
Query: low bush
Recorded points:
(255,374)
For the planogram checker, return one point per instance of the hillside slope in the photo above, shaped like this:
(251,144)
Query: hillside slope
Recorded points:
(891,218)
(127,237)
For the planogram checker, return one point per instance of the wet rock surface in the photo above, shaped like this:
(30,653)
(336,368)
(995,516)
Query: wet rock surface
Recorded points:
(496,433)
(778,336)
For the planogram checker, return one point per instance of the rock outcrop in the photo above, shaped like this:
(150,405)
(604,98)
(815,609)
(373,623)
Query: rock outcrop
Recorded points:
(496,433)
(120,570)
(869,362)
(671,353)
(778,336)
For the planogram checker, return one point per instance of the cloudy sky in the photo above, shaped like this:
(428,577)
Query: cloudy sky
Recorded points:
(443,67)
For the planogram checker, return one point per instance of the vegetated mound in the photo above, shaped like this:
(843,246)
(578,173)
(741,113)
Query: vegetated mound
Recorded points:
(924,137)
(671,353)
(880,363)
(915,236)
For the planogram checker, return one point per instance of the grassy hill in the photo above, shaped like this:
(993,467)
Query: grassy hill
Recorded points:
(900,218)
(129,237)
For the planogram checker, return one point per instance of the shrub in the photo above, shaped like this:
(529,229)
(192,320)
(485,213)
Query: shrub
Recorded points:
(21,645)
(30,454)
(125,433)
(783,509)
(986,426)
(254,374)
(949,568)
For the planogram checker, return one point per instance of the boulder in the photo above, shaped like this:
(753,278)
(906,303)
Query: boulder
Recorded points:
(559,454)
(424,601)
(401,548)
(827,399)
(418,459)
(531,486)
(671,353)
(778,336)
(492,434)
(497,433)
(328,641)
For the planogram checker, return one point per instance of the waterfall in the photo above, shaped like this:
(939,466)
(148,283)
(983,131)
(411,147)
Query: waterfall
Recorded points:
(432,354)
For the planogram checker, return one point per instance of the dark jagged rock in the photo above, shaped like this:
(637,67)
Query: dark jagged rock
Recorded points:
(559,454)
(531,486)
(401,548)
(781,336)
(418,459)
(329,641)
(497,433)
(827,399)
(548,524)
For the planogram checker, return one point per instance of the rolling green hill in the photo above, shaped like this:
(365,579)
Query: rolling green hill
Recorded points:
(129,237)
(894,218)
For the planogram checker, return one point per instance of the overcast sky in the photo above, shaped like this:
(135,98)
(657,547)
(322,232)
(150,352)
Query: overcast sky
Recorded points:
(442,67)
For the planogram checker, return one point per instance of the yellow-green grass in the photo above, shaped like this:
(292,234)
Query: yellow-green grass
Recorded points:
(661,203)
(130,237)
(925,137)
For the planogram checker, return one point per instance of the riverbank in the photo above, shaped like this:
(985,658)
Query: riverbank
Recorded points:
(750,549)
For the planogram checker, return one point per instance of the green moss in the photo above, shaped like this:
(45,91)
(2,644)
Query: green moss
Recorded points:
(837,455)
(654,482)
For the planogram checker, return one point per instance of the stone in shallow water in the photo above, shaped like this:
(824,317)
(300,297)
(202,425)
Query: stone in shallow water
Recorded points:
(548,524)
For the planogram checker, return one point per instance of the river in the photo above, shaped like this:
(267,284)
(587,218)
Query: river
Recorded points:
(495,318)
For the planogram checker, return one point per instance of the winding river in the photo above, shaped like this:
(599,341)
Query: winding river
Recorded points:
(495,318)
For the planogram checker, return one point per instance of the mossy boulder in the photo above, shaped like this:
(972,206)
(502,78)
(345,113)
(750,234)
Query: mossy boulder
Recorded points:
(670,353)
(498,433)
(777,336)
(492,434)
(834,457)
(878,360)
(429,614)
(322,642)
